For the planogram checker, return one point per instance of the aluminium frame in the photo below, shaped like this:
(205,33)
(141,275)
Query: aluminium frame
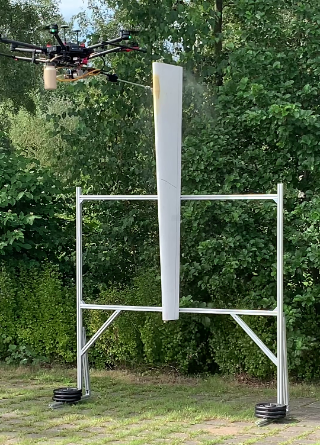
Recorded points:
(280,360)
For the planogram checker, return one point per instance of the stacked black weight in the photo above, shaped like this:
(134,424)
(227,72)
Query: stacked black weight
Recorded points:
(67,395)
(271,411)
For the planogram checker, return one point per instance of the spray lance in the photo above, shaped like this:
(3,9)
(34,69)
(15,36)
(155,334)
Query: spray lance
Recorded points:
(115,78)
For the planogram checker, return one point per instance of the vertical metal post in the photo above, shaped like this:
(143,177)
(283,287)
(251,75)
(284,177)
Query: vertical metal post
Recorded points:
(79,284)
(285,362)
(280,324)
(85,366)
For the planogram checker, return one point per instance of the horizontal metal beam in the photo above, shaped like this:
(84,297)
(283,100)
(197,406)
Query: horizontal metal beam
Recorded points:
(118,197)
(227,197)
(196,310)
(114,307)
(183,197)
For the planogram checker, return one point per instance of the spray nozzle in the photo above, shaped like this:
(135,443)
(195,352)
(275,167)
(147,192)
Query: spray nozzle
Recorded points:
(112,77)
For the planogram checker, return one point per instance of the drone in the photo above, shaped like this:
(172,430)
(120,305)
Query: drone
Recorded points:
(72,58)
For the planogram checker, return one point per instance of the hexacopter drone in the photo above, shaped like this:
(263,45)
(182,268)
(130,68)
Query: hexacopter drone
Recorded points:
(74,58)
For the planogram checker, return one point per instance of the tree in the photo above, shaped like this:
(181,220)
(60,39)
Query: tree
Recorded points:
(258,127)
(251,119)
(33,216)
(22,21)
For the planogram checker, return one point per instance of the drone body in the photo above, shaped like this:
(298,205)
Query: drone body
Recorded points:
(74,57)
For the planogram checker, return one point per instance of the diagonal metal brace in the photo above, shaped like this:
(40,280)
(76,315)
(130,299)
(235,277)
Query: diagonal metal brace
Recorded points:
(99,332)
(255,338)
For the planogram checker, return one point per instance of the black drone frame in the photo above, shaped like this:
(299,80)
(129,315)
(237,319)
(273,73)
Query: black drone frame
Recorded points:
(69,55)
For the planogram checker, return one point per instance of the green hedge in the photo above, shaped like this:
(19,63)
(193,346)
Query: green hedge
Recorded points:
(197,343)
(142,337)
(194,343)
(37,311)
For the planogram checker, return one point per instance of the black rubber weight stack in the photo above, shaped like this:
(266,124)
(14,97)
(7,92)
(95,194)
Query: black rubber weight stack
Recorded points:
(67,395)
(272,411)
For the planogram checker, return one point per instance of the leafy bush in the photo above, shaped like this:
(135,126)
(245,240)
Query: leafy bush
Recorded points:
(259,125)
(8,308)
(196,343)
(251,119)
(45,327)
(21,355)
(142,337)
(37,314)
(31,223)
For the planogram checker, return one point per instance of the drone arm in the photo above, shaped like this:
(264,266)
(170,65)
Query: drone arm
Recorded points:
(29,59)
(103,53)
(25,59)
(56,35)
(27,50)
(132,48)
(105,43)
(15,43)
(7,55)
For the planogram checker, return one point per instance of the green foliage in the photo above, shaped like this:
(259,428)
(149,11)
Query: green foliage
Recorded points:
(21,355)
(22,21)
(142,337)
(31,221)
(37,315)
(49,150)
(112,129)
(257,126)
(9,309)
